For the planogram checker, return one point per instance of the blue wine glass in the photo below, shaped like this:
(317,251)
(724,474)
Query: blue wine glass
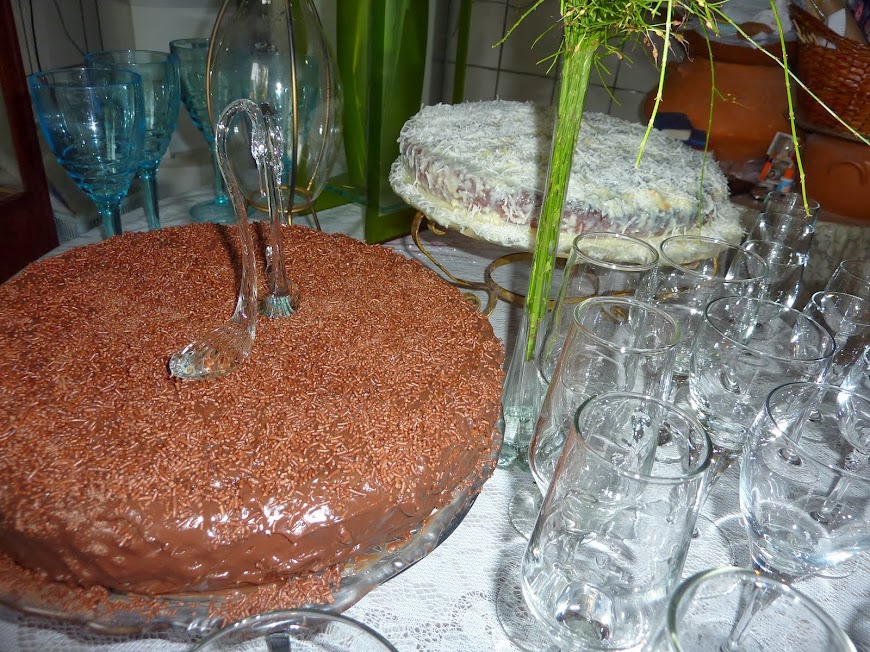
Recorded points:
(94,123)
(192,54)
(161,90)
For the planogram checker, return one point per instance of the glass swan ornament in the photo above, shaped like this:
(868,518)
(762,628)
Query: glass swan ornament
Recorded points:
(219,351)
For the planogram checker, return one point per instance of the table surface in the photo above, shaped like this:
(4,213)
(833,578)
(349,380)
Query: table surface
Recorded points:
(451,600)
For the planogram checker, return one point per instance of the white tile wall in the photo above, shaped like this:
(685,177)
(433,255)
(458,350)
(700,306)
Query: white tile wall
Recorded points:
(522,67)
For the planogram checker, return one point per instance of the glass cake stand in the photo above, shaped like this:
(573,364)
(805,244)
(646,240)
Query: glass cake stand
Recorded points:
(187,619)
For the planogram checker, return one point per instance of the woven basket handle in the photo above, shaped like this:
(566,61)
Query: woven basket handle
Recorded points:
(808,27)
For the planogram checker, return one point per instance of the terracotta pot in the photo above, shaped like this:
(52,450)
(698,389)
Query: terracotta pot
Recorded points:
(837,174)
(752,106)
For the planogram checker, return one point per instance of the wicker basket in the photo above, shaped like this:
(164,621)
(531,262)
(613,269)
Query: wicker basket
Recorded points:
(838,75)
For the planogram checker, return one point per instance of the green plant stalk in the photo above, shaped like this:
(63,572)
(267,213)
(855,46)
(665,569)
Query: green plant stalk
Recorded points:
(576,68)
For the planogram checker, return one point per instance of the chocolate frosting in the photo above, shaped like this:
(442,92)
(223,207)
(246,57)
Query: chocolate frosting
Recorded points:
(348,425)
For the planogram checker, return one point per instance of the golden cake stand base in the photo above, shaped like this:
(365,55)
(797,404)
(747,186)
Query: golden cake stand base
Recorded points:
(493,290)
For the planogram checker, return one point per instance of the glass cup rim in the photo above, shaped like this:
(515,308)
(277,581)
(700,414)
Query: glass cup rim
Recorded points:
(685,478)
(795,258)
(851,297)
(691,583)
(848,266)
(274,617)
(191,43)
(782,308)
(108,56)
(796,443)
(73,73)
(717,241)
(622,267)
(808,227)
(811,203)
(646,307)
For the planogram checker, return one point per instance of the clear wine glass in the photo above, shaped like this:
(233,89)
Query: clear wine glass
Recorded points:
(299,630)
(705,608)
(192,56)
(786,269)
(94,123)
(793,231)
(161,91)
(792,203)
(746,347)
(847,319)
(803,518)
(852,276)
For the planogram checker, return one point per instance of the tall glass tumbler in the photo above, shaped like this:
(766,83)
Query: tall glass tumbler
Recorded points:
(600,264)
(192,54)
(706,608)
(93,121)
(162,93)
(614,344)
(695,270)
(745,348)
(612,536)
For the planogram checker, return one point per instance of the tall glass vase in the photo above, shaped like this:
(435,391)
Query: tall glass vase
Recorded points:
(524,385)
(381,47)
(276,52)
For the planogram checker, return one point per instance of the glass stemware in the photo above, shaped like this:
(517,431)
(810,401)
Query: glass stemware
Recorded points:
(161,91)
(804,518)
(793,231)
(94,123)
(706,608)
(695,270)
(852,276)
(308,630)
(847,319)
(745,348)
(792,203)
(786,267)
(192,54)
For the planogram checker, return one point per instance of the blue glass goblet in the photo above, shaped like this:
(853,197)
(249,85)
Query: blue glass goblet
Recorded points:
(94,123)
(161,90)
(192,54)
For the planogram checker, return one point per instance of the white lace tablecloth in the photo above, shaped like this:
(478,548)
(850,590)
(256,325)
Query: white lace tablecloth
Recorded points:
(447,602)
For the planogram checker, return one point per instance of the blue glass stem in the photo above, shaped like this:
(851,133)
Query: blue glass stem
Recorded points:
(148,178)
(111,216)
(220,194)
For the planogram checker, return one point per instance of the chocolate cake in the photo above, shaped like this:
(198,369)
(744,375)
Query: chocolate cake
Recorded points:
(481,167)
(348,425)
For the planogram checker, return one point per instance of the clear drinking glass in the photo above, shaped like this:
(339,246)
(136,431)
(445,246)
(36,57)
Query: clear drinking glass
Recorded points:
(299,630)
(847,318)
(705,609)
(852,276)
(162,95)
(614,344)
(792,231)
(792,203)
(786,269)
(94,123)
(695,270)
(611,539)
(192,54)
(600,264)
(745,348)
